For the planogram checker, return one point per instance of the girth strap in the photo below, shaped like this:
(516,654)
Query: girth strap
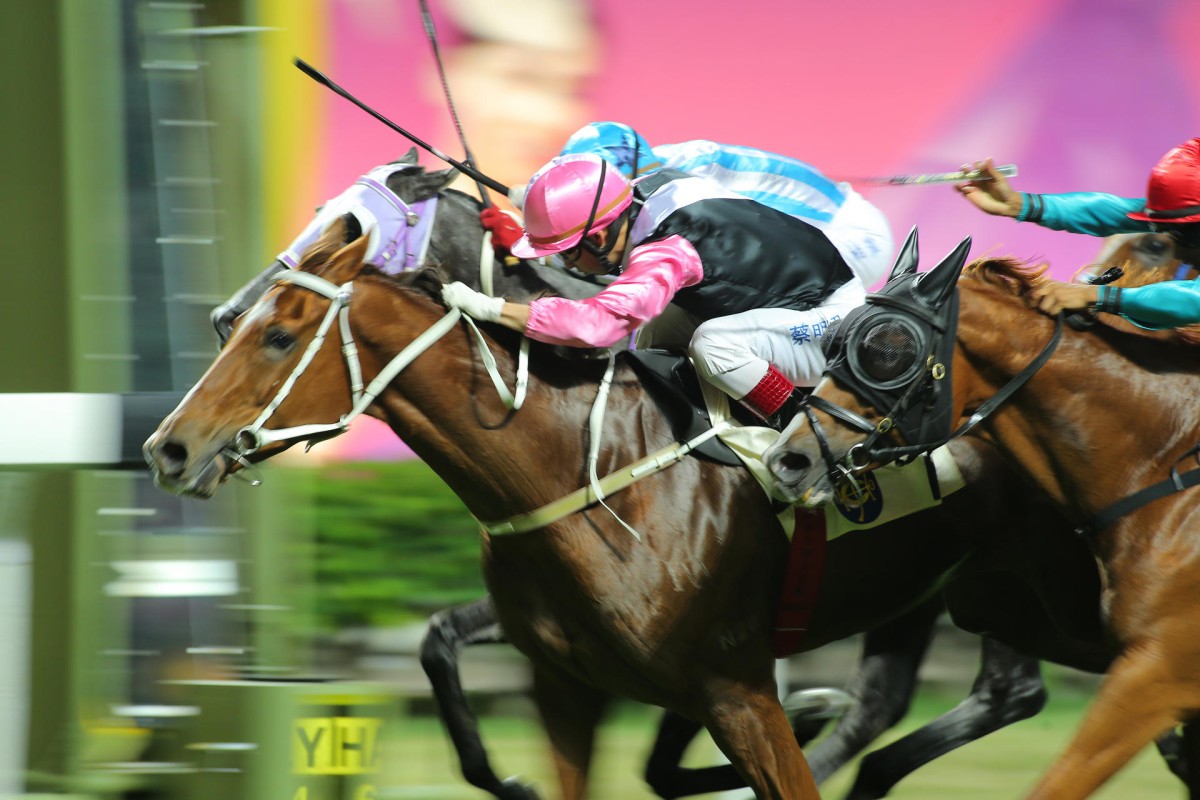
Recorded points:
(608,485)
(1172,485)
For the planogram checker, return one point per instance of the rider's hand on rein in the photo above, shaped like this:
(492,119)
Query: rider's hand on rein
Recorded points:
(472,303)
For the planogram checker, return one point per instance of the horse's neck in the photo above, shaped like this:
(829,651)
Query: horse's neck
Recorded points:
(457,247)
(1092,425)
(500,463)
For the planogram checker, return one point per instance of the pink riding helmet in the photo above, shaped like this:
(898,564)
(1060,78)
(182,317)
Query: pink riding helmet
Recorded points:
(559,199)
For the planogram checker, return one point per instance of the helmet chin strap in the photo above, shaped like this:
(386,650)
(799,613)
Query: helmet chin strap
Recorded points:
(600,252)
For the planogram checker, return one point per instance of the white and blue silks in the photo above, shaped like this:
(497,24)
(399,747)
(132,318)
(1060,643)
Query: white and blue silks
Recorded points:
(856,228)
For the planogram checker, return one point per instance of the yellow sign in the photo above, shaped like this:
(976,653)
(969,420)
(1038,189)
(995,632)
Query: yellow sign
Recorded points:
(335,745)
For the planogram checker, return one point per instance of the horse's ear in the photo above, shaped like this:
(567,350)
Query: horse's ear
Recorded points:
(409,158)
(335,236)
(427,184)
(347,262)
(907,258)
(935,286)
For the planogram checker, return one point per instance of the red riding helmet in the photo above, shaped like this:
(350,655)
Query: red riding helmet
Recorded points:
(1173,194)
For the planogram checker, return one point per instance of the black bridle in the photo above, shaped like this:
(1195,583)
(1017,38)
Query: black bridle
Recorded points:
(920,407)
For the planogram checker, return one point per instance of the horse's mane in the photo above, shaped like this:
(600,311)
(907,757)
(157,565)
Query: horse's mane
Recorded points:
(1019,278)
(1008,273)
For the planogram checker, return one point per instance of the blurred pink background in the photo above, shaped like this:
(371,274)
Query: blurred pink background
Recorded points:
(1080,94)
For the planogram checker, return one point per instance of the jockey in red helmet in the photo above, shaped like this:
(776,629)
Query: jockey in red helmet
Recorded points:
(1171,206)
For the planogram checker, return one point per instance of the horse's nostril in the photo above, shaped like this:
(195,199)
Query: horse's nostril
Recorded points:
(794,462)
(172,458)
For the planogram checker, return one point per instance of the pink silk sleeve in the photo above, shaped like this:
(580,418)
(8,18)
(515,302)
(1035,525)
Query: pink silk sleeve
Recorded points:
(655,272)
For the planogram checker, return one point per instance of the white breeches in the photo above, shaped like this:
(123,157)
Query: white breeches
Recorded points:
(733,352)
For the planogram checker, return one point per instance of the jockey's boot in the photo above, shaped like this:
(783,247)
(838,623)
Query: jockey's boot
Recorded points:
(774,400)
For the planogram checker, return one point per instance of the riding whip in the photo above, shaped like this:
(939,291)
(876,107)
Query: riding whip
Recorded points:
(431,34)
(1008,171)
(465,169)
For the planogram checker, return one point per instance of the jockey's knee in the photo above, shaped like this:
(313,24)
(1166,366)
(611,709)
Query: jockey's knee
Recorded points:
(715,351)
(725,360)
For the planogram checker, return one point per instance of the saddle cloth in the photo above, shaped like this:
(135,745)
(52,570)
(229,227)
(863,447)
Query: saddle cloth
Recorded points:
(887,493)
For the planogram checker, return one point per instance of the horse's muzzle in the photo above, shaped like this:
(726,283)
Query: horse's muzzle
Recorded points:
(796,480)
(176,471)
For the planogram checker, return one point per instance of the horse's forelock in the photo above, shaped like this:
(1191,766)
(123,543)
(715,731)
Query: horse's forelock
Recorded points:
(317,256)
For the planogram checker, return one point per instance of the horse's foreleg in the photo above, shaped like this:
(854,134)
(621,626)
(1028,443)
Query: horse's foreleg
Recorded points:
(750,727)
(1170,747)
(882,687)
(666,776)
(1189,768)
(449,632)
(570,711)
(1145,692)
(1008,688)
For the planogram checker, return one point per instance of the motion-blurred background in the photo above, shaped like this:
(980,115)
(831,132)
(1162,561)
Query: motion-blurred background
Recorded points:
(157,154)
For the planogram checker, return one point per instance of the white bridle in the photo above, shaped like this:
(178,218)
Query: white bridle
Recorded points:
(254,436)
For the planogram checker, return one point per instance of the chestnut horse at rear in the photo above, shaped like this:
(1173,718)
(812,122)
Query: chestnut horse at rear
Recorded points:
(1092,417)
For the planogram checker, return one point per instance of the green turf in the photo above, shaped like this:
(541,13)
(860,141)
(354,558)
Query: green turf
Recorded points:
(419,762)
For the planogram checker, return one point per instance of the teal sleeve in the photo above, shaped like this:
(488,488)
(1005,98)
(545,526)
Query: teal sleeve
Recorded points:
(1169,304)
(1093,213)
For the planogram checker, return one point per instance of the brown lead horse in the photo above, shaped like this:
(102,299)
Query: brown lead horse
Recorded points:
(1108,414)
(676,618)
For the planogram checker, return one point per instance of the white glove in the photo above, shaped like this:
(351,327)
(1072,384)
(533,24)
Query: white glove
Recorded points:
(472,303)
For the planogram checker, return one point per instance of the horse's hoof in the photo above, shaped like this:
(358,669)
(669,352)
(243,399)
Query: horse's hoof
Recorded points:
(816,704)
(516,789)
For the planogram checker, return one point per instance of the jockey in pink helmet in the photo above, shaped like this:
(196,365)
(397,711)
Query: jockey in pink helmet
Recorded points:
(1171,206)
(567,199)
(748,289)
(858,229)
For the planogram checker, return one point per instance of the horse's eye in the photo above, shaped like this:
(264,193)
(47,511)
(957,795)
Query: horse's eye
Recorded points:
(278,339)
(1154,245)
(888,352)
